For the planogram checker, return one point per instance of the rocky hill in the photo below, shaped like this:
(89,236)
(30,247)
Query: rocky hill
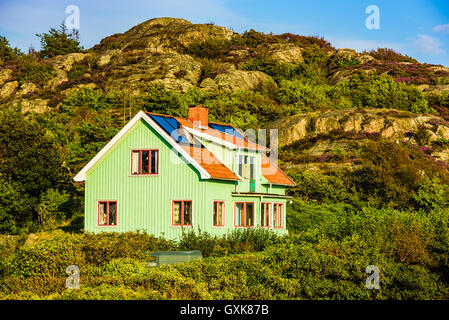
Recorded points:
(281,76)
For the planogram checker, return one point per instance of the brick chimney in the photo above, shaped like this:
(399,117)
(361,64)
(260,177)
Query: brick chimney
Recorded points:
(199,116)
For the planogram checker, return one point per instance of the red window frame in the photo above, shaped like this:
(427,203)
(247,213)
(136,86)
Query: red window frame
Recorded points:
(181,213)
(149,162)
(280,217)
(244,214)
(223,213)
(107,213)
(268,215)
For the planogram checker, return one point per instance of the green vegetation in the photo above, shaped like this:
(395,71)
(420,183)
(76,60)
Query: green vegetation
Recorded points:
(324,257)
(389,55)
(389,208)
(6,52)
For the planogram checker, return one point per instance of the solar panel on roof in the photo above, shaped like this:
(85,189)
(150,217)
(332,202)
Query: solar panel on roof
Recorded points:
(226,129)
(170,125)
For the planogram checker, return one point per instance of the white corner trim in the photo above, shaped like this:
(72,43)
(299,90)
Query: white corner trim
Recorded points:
(81,176)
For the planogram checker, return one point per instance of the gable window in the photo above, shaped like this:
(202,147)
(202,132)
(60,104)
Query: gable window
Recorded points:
(219,213)
(278,215)
(144,162)
(107,213)
(247,166)
(244,214)
(265,214)
(182,213)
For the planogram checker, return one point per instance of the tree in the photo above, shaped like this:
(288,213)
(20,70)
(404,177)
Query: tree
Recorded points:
(6,52)
(30,164)
(59,42)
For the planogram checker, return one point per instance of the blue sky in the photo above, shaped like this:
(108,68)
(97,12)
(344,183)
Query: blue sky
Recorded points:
(418,28)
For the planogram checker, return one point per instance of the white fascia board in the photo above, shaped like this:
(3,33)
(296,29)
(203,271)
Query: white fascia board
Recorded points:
(81,176)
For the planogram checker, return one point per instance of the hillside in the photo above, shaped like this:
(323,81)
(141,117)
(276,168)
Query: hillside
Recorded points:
(365,136)
(328,104)
(181,55)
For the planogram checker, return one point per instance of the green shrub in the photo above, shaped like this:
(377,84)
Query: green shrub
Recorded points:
(50,209)
(30,68)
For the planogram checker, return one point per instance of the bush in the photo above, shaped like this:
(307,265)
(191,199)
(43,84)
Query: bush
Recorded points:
(389,55)
(50,210)
(30,68)
(237,241)
(374,91)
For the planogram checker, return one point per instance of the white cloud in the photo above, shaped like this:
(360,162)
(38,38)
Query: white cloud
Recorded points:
(441,28)
(428,45)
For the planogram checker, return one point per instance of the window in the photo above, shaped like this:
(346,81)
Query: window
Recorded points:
(247,166)
(278,215)
(244,214)
(107,213)
(219,213)
(182,213)
(265,214)
(144,162)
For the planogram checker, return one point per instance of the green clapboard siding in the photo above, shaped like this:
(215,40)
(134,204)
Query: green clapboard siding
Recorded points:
(144,202)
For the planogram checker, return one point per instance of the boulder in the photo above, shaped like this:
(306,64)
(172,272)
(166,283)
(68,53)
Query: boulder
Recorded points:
(238,79)
(443,132)
(5,74)
(35,105)
(26,88)
(165,35)
(286,53)
(105,58)
(8,88)
(66,62)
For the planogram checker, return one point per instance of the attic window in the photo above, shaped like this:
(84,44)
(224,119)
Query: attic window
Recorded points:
(246,166)
(144,162)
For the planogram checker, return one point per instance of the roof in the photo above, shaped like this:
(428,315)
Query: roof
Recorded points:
(216,135)
(273,174)
(210,163)
(177,131)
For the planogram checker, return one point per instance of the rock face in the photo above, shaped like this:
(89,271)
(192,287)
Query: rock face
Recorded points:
(286,53)
(165,35)
(7,89)
(5,74)
(317,137)
(384,122)
(35,105)
(63,64)
(237,80)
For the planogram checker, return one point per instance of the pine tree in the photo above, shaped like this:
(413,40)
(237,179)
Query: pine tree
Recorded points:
(59,42)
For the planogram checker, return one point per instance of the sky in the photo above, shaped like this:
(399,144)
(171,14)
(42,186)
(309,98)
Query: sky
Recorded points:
(418,28)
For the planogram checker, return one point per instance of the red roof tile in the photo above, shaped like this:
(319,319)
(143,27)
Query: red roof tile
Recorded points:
(209,162)
(273,174)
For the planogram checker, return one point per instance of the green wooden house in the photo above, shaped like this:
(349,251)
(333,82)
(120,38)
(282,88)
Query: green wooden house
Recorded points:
(161,174)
